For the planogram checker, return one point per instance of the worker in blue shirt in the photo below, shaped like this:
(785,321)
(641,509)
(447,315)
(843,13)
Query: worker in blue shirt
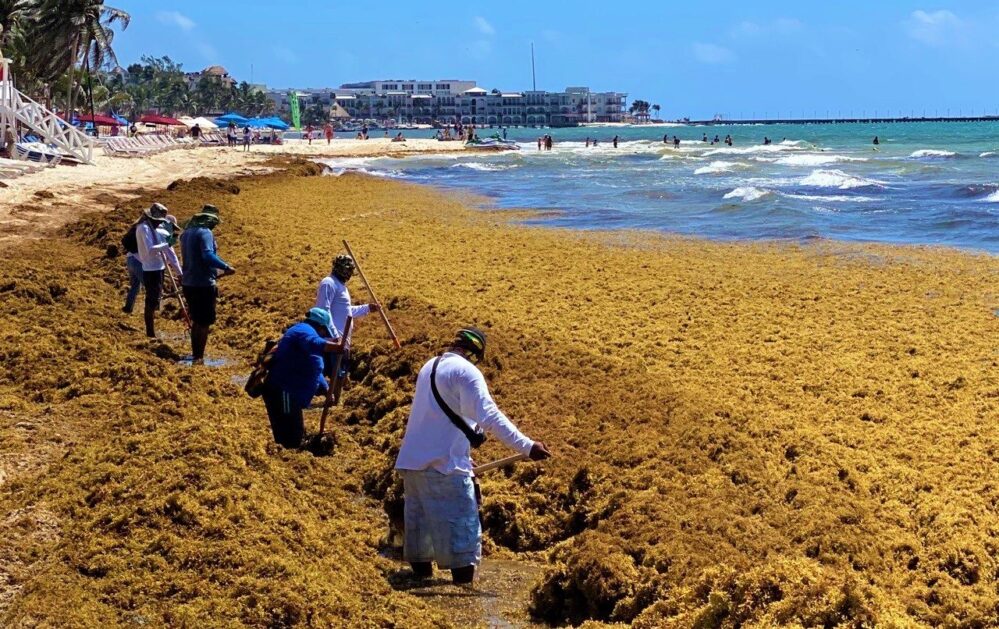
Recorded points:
(297,375)
(202,266)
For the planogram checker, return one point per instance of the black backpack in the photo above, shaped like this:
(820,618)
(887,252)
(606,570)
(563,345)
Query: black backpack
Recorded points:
(254,386)
(129,242)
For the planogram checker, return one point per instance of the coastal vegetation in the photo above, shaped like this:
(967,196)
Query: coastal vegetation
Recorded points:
(744,434)
(88,75)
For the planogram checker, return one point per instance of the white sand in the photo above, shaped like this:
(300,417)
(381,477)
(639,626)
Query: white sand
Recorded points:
(22,214)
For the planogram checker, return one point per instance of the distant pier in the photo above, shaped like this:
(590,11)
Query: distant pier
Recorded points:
(771,121)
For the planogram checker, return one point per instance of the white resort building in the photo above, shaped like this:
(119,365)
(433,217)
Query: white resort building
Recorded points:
(452,101)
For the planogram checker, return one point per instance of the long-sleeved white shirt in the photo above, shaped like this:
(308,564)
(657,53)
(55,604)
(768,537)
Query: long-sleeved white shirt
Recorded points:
(431,440)
(151,247)
(169,254)
(334,297)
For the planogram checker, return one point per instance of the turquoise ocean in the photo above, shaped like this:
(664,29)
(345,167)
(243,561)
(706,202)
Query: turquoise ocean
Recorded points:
(926,183)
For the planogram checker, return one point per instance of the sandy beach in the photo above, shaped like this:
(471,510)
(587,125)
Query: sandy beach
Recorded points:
(766,433)
(77,188)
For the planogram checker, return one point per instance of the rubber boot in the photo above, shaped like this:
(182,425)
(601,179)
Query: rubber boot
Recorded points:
(150,316)
(422,569)
(462,576)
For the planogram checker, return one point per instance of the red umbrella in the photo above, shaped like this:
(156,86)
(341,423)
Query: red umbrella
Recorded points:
(100,119)
(157,119)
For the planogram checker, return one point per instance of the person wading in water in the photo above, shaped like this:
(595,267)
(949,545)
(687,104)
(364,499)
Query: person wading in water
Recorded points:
(451,407)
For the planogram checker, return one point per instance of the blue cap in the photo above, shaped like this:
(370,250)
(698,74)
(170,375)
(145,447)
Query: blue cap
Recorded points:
(320,316)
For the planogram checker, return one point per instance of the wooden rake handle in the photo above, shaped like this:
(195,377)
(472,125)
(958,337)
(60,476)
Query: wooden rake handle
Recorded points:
(333,393)
(510,460)
(381,311)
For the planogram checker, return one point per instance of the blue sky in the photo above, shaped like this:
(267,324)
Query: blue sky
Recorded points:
(694,59)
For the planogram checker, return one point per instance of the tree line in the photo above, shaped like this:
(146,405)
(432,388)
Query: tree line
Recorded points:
(62,53)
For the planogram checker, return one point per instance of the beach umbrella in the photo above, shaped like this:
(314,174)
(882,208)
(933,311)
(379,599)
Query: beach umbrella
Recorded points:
(121,120)
(160,120)
(205,123)
(276,123)
(267,123)
(234,118)
(99,119)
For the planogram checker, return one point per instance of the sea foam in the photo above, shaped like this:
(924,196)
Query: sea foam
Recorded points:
(932,153)
(484,167)
(837,179)
(831,198)
(748,193)
(812,159)
(716,168)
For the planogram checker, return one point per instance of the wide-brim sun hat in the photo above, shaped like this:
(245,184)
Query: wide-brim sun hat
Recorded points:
(209,211)
(156,211)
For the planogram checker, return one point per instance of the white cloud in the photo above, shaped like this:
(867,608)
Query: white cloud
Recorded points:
(176,18)
(285,54)
(483,25)
(712,53)
(935,28)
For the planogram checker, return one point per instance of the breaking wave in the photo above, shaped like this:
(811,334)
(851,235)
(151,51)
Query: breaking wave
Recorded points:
(837,179)
(715,168)
(748,193)
(484,167)
(932,153)
(816,160)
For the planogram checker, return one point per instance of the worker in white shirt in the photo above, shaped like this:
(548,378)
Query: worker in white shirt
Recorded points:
(168,231)
(451,409)
(334,298)
(152,247)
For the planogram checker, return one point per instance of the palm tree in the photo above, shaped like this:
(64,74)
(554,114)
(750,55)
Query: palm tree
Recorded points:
(12,12)
(657,109)
(83,28)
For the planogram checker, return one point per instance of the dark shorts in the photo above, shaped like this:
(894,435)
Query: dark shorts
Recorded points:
(287,423)
(201,303)
(152,281)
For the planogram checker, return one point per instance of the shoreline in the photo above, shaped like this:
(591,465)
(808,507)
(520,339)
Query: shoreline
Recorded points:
(778,411)
(26,213)
(80,188)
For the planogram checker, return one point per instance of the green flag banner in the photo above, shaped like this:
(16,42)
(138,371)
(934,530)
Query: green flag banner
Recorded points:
(296,114)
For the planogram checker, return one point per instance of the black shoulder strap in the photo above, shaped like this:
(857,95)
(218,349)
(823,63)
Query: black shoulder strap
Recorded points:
(475,438)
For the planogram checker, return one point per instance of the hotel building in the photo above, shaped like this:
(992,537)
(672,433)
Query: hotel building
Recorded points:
(452,101)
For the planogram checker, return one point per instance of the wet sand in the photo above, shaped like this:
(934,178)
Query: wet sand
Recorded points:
(757,434)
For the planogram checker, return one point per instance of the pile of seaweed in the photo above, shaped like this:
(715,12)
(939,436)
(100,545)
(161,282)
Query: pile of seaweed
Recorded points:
(745,435)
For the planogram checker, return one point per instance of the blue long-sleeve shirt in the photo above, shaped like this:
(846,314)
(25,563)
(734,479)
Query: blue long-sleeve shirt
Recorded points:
(197,245)
(298,364)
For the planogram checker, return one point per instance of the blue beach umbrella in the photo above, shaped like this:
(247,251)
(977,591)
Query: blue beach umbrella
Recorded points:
(269,123)
(234,118)
(276,123)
